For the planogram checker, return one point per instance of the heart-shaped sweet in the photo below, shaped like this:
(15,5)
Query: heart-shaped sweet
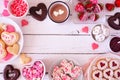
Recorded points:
(94,46)
(9,28)
(112,21)
(34,71)
(108,73)
(24,22)
(5,13)
(85,29)
(114,64)
(10,73)
(13,49)
(10,38)
(40,7)
(25,59)
(115,44)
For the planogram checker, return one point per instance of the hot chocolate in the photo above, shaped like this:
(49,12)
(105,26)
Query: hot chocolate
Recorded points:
(58,12)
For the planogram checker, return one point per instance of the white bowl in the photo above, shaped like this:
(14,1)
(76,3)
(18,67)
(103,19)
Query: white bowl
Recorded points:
(31,64)
(17,28)
(9,10)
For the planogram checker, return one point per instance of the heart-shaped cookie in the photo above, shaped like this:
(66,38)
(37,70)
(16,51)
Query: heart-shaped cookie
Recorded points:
(10,73)
(40,7)
(25,59)
(34,71)
(112,21)
(3,52)
(10,38)
(13,49)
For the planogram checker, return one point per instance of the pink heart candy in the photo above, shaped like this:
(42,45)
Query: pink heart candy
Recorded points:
(5,13)
(6,3)
(95,46)
(8,57)
(85,29)
(10,28)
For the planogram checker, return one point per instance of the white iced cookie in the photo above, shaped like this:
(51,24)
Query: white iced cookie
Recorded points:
(114,64)
(100,37)
(96,30)
(102,64)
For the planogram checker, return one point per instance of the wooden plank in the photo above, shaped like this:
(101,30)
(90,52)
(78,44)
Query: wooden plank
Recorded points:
(63,44)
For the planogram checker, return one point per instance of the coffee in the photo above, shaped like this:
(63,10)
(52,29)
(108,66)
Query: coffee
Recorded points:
(58,12)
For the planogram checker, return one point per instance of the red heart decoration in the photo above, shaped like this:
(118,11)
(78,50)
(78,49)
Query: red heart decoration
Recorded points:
(5,13)
(24,22)
(114,64)
(118,74)
(94,46)
(97,75)
(102,64)
(85,29)
(108,73)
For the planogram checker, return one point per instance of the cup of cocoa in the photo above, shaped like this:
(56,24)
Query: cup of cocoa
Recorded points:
(58,11)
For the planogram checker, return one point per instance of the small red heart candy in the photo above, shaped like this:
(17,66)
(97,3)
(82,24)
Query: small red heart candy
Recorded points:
(85,29)
(24,22)
(94,46)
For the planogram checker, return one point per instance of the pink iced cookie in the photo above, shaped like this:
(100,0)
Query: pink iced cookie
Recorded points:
(35,71)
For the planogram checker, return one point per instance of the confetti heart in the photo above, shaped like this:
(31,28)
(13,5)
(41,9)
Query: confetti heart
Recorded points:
(85,29)
(24,22)
(5,3)
(94,46)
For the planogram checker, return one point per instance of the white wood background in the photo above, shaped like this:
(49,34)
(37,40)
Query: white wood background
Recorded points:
(51,42)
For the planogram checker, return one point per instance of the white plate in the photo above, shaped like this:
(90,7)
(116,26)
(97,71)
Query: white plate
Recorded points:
(17,29)
(109,55)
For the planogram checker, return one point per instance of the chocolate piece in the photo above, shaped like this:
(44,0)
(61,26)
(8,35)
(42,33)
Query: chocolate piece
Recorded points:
(10,73)
(115,44)
(40,7)
(112,19)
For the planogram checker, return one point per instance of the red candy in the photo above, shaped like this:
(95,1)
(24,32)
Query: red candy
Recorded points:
(18,7)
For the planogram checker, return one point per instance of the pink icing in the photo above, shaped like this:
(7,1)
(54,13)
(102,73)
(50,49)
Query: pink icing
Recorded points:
(8,57)
(10,28)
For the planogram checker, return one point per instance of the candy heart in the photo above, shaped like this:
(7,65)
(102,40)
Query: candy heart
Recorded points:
(10,28)
(112,21)
(10,73)
(115,44)
(10,38)
(3,52)
(85,29)
(5,13)
(25,59)
(43,8)
(24,22)
(34,71)
(8,57)
(14,49)
(5,3)
(94,46)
